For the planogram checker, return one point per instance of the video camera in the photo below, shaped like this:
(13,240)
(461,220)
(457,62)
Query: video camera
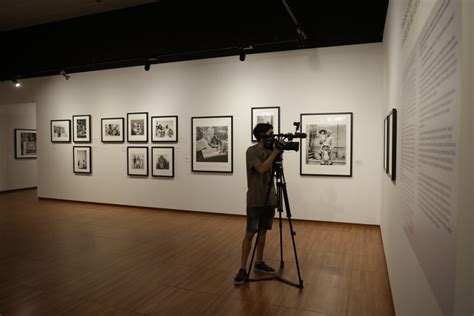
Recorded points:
(284,141)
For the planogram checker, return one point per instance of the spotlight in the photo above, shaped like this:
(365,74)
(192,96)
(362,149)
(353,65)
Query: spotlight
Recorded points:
(64,74)
(16,83)
(242,55)
(147,66)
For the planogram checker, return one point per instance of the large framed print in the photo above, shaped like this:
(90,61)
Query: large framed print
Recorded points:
(270,115)
(113,130)
(82,128)
(137,127)
(385,144)
(212,144)
(82,159)
(164,129)
(25,144)
(392,144)
(162,161)
(137,161)
(327,150)
(60,131)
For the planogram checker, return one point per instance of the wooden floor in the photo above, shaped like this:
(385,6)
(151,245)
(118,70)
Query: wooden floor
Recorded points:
(84,259)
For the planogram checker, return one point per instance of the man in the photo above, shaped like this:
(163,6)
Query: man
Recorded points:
(260,202)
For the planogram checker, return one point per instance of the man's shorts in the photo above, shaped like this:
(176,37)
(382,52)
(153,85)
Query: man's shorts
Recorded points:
(261,217)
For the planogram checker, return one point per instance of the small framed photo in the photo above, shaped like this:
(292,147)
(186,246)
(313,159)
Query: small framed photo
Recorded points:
(25,144)
(212,144)
(270,115)
(82,159)
(385,144)
(327,150)
(137,161)
(137,127)
(164,129)
(392,144)
(61,131)
(113,130)
(82,128)
(162,161)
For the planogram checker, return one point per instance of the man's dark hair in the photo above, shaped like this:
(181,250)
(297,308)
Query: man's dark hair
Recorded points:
(260,130)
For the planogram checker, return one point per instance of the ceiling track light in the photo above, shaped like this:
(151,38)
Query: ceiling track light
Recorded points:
(64,74)
(243,53)
(147,66)
(302,37)
(16,83)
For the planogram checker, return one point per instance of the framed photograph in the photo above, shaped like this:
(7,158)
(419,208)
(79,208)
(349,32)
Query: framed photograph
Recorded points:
(385,144)
(61,131)
(327,150)
(162,160)
(113,130)
(137,161)
(82,159)
(82,128)
(137,127)
(392,144)
(212,144)
(269,115)
(25,144)
(164,129)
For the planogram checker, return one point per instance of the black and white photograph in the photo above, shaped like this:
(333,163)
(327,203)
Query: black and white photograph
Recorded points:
(137,127)
(61,131)
(113,130)
(82,159)
(385,144)
(82,128)
(327,150)
(25,144)
(270,115)
(392,144)
(164,129)
(212,146)
(162,161)
(137,161)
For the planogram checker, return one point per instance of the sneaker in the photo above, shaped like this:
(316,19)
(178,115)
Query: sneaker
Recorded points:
(240,277)
(262,267)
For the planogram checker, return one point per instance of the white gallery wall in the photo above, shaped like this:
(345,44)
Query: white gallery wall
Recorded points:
(427,52)
(336,79)
(15,173)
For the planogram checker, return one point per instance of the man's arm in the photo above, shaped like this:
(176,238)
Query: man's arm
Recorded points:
(266,165)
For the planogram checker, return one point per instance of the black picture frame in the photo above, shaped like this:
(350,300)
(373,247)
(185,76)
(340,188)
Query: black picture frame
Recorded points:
(82,133)
(163,168)
(166,136)
(120,121)
(321,154)
(60,131)
(206,157)
(392,145)
(264,111)
(140,165)
(25,143)
(137,127)
(385,144)
(82,159)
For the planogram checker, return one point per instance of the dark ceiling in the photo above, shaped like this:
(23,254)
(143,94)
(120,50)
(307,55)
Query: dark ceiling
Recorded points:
(176,30)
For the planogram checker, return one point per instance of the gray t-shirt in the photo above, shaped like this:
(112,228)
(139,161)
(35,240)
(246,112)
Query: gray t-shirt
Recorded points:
(257,184)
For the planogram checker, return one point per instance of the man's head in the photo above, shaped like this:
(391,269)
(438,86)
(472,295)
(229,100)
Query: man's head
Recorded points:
(261,130)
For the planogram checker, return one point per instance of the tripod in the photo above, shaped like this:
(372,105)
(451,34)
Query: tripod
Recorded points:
(282,196)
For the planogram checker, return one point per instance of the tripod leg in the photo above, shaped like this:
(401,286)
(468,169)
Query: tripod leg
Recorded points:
(253,254)
(292,232)
(280,210)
